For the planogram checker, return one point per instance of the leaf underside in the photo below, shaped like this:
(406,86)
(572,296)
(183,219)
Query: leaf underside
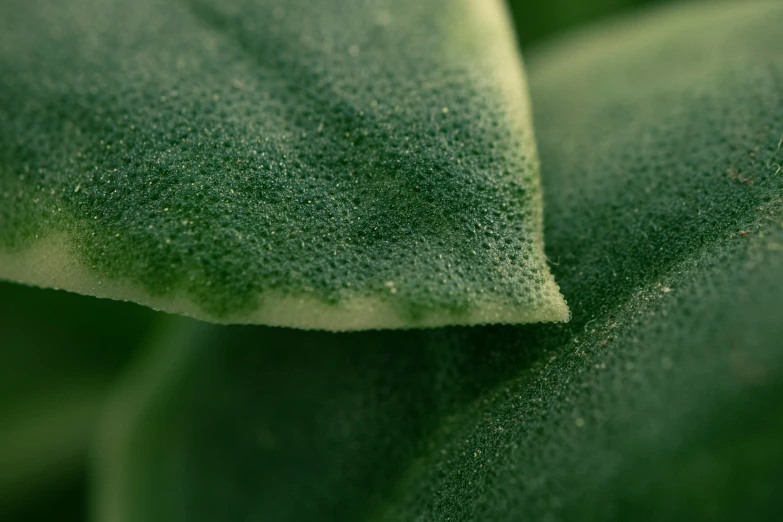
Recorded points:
(661,153)
(334,164)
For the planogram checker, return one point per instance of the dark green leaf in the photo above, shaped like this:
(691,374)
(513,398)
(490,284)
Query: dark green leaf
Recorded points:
(536,20)
(333,164)
(58,355)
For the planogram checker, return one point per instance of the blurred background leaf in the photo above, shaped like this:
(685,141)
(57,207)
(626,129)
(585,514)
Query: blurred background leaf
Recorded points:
(536,21)
(59,353)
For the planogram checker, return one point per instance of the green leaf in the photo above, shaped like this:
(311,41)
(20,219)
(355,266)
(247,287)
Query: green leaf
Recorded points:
(535,20)
(58,355)
(660,141)
(338,165)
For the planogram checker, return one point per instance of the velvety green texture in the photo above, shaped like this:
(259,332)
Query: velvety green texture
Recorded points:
(336,164)
(661,142)
(59,354)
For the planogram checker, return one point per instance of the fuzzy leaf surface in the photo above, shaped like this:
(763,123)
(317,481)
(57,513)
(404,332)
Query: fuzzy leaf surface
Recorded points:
(339,165)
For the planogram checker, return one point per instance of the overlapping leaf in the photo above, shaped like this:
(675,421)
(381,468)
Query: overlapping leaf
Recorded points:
(336,164)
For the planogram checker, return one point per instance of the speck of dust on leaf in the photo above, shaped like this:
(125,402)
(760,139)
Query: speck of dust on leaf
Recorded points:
(777,166)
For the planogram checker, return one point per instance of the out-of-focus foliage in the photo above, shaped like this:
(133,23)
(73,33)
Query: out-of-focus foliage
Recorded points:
(662,145)
(538,20)
(59,353)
